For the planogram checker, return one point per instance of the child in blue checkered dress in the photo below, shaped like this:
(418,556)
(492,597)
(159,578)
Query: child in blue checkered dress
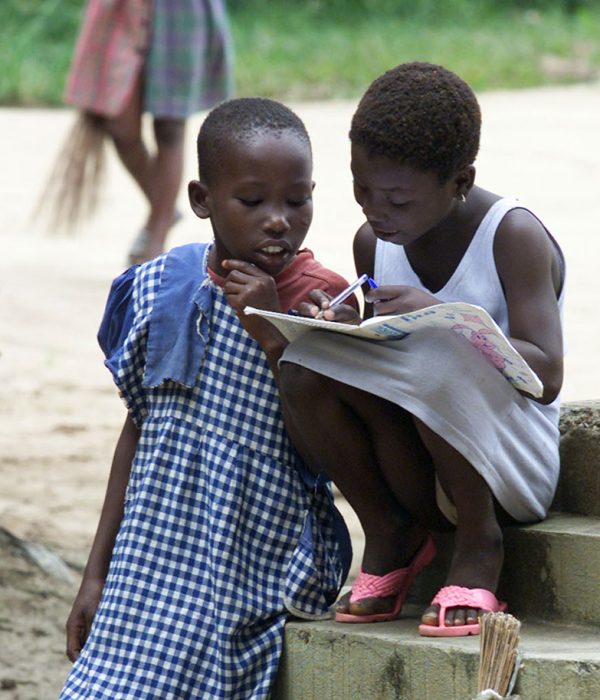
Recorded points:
(212,530)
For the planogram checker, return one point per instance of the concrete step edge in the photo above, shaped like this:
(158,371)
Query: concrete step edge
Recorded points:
(390,660)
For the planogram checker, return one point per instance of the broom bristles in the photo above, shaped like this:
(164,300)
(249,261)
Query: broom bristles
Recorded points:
(499,641)
(72,189)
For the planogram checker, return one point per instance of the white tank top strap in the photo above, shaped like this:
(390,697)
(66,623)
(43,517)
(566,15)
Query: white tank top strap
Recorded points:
(483,240)
(498,211)
(479,256)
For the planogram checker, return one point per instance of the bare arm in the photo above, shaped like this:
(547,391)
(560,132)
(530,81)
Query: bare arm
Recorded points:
(529,270)
(88,597)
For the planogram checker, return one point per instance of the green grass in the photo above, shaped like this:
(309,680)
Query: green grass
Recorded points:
(36,43)
(290,57)
(312,49)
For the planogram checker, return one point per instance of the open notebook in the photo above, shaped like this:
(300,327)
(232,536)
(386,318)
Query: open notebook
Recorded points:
(473,322)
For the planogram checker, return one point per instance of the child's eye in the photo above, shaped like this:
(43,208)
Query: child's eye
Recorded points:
(299,202)
(249,202)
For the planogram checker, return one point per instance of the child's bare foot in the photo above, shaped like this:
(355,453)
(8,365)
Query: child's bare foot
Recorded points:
(476,563)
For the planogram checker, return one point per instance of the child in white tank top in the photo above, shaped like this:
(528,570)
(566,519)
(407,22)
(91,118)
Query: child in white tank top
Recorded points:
(425,434)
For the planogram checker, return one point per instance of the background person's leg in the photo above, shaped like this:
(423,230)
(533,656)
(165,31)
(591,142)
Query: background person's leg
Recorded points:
(157,175)
(165,181)
(126,133)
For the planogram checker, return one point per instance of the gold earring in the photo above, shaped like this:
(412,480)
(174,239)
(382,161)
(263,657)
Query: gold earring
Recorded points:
(463,197)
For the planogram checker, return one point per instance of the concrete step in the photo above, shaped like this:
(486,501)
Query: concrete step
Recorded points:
(579,484)
(551,570)
(390,661)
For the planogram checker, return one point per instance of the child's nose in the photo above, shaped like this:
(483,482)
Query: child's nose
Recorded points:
(277,223)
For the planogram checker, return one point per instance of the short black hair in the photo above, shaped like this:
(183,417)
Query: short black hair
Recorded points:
(239,121)
(422,115)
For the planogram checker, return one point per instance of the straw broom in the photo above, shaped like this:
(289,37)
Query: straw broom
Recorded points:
(72,189)
(499,655)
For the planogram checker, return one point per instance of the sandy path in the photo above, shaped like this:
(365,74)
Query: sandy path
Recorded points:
(59,413)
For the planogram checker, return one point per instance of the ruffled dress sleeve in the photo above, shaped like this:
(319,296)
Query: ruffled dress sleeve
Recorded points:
(123,333)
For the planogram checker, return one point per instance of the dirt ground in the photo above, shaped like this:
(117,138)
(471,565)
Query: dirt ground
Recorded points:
(59,413)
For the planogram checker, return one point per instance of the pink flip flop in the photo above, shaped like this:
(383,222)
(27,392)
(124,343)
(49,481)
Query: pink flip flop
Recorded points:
(396,583)
(460,597)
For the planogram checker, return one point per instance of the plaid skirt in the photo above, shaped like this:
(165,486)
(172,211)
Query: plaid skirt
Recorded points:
(189,62)
(183,48)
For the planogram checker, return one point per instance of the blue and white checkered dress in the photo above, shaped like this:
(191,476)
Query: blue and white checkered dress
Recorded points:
(209,559)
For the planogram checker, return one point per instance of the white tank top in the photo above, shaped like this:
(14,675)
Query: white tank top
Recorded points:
(475,280)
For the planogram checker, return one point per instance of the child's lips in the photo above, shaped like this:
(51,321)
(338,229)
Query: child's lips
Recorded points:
(274,249)
(383,233)
(273,256)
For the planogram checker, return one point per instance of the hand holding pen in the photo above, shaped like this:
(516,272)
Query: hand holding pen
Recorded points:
(350,289)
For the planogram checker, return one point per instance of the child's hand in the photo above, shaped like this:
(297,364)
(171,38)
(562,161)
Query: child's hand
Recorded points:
(342,313)
(82,615)
(398,299)
(248,285)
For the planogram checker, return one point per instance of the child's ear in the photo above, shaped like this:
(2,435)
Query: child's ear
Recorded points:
(198,195)
(464,180)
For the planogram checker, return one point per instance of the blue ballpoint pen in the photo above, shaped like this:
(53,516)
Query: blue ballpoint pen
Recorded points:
(350,289)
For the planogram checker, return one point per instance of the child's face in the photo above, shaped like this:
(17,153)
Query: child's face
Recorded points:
(260,201)
(400,203)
